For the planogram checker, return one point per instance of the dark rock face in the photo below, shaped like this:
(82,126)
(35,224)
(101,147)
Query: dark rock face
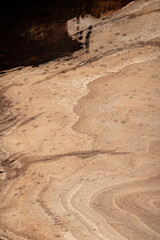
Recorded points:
(35,43)
(34,33)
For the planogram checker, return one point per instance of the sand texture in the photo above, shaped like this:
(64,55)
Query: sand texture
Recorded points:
(80,137)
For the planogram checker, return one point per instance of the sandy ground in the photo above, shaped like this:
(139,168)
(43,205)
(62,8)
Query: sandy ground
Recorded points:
(80,137)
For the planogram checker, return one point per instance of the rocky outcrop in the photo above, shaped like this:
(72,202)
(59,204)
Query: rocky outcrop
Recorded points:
(33,33)
(80,136)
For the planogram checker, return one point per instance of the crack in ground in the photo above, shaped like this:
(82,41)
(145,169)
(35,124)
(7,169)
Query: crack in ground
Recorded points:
(81,154)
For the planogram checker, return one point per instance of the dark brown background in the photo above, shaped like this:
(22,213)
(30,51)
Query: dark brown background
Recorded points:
(34,32)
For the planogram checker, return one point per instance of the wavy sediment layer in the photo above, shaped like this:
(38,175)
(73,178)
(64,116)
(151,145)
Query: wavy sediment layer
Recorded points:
(80,137)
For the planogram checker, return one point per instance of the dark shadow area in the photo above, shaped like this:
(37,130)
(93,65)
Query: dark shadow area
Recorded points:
(34,32)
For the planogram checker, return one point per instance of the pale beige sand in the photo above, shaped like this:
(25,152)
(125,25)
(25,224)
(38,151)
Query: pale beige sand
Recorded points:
(80,139)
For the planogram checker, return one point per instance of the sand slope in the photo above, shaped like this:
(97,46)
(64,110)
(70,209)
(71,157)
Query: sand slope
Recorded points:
(80,137)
